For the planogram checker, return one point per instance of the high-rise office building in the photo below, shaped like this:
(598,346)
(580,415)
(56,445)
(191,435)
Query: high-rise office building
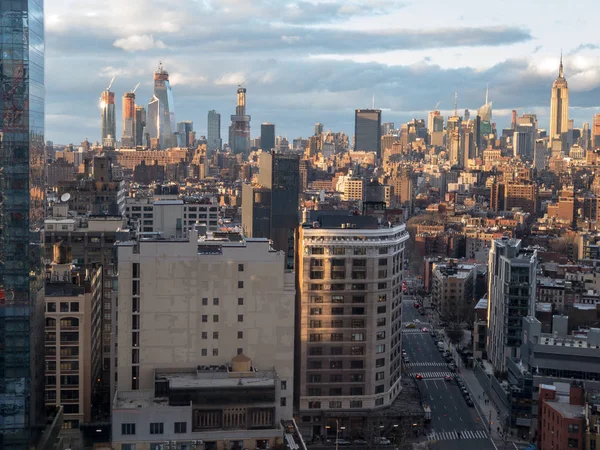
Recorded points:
(184,130)
(213,136)
(559,107)
(348,339)
(387,128)
(140,124)
(367,131)
(128,137)
(318,129)
(511,296)
(485,113)
(239,130)
(453,132)
(596,132)
(22,194)
(267,137)
(161,111)
(108,115)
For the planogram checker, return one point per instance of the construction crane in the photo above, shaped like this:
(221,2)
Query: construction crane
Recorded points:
(436,106)
(135,88)
(111,83)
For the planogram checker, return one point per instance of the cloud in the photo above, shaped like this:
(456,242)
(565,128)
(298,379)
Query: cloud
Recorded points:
(137,43)
(583,47)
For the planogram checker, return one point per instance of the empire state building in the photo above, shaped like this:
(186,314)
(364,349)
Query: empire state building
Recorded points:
(559,107)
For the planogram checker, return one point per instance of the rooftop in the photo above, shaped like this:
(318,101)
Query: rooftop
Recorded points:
(567,410)
(217,379)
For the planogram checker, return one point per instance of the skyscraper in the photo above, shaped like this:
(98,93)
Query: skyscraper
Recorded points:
(183,133)
(108,114)
(485,112)
(128,138)
(239,131)
(318,129)
(453,130)
(387,128)
(22,198)
(559,107)
(596,132)
(161,111)
(267,137)
(367,130)
(214,141)
(140,124)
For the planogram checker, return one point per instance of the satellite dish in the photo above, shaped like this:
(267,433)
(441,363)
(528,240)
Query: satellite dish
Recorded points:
(65,197)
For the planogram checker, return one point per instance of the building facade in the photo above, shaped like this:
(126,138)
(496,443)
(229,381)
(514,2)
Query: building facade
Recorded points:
(213,137)
(205,337)
(367,131)
(239,131)
(511,296)
(161,122)
(452,290)
(267,137)
(22,191)
(129,122)
(108,115)
(350,273)
(559,108)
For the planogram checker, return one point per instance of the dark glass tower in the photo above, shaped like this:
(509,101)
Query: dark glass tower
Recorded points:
(22,194)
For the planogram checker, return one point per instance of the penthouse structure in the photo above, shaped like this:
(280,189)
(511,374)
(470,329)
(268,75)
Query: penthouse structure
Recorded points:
(349,326)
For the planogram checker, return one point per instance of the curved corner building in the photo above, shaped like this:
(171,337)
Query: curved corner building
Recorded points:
(22,198)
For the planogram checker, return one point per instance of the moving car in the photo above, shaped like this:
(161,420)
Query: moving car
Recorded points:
(470,402)
(360,442)
(411,325)
(448,378)
(424,329)
(342,442)
(382,441)
(406,360)
(417,305)
(418,376)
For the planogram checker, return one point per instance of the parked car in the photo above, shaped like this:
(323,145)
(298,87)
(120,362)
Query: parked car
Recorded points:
(470,402)
(448,378)
(382,441)
(411,325)
(360,442)
(342,442)
(418,376)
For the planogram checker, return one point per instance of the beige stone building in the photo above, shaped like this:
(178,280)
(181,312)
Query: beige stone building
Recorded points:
(452,290)
(205,344)
(350,273)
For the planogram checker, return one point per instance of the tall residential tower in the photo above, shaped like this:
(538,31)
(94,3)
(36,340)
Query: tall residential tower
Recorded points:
(161,111)
(22,198)
(128,137)
(214,141)
(108,114)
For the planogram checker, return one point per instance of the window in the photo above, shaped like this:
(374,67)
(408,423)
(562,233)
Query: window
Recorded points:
(315,337)
(314,379)
(573,428)
(157,428)
(240,301)
(573,443)
(314,392)
(358,323)
(204,301)
(215,318)
(355,404)
(51,306)
(215,335)
(204,335)
(204,318)
(337,336)
(335,404)
(357,337)
(314,324)
(337,299)
(240,317)
(360,251)
(356,391)
(312,365)
(334,392)
(336,351)
(316,311)
(316,262)
(356,364)
(380,335)
(357,350)
(215,352)
(358,299)
(337,311)
(337,287)
(335,364)
(240,350)
(318,251)
(282,401)
(382,298)
(215,301)
(358,311)
(380,362)
(339,251)
(356,378)
(127,429)
(314,405)
(379,388)
(283,385)
(337,323)
(240,267)
(204,352)
(64,307)
(381,322)
(240,335)
(74,307)
(383,261)
(378,401)
(383,251)
(381,309)
(379,376)
(316,299)
(380,348)
(336,378)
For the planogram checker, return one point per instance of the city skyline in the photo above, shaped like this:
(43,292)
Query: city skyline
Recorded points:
(298,73)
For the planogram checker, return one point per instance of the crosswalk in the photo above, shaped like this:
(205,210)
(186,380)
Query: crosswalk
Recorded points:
(453,435)
(429,364)
(427,375)
(413,330)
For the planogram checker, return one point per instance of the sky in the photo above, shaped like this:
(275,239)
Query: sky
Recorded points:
(307,61)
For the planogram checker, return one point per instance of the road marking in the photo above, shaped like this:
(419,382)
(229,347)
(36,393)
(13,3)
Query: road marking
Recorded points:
(453,435)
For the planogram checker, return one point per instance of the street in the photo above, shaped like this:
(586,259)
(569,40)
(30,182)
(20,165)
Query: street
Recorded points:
(454,425)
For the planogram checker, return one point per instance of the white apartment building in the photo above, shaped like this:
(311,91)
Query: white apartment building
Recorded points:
(511,296)
(353,189)
(205,344)
(170,217)
(350,273)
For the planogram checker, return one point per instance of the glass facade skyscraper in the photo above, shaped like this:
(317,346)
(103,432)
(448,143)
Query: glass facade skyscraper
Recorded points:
(161,116)
(22,195)
(367,131)
(214,141)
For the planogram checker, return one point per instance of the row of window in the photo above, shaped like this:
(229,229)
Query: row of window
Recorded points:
(64,307)
(342,287)
(129,429)
(215,301)
(340,311)
(240,318)
(339,378)
(341,299)
(336,392)
(215,351)
(339,251)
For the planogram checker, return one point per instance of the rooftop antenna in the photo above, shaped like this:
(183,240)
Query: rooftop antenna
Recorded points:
(135,88)
(373,101)
(455,104)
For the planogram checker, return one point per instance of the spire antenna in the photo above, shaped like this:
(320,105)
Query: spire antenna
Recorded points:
(456,104)
(487,91)
(560,68)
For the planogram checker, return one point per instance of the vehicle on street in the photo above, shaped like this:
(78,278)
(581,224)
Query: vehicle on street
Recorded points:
(418,376)
(411,325)
(424,329)
(427,411)
(422,312)
(470,402)
(404,354)
(406,360)
(360,442)
(452,367)
(417,321)
(448,378)
(342,442)
(417,305)
(440,346)
(382,441)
